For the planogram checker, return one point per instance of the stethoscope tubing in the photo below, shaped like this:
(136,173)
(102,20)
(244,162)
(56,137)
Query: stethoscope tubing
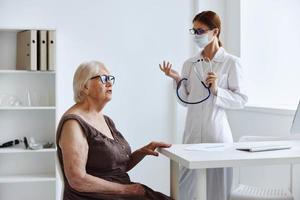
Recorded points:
(185,79)
(196,102)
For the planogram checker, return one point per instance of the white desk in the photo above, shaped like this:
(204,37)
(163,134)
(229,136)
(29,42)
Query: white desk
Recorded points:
(224,157)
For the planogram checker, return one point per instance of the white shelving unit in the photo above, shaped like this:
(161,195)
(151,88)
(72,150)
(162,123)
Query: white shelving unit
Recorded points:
(24,173)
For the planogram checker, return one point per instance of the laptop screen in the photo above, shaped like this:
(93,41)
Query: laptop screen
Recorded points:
(296,122)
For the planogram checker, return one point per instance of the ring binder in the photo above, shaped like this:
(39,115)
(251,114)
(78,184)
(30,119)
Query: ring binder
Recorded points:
(42,50)
(51,44)
(27,50)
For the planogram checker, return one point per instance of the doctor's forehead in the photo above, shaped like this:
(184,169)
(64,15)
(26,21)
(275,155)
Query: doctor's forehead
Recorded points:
(198,24)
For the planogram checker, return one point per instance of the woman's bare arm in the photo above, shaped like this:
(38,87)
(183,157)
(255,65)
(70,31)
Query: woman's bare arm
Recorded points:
(74,148)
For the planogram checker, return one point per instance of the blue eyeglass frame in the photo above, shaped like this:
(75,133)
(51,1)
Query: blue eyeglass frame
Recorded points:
(105,78)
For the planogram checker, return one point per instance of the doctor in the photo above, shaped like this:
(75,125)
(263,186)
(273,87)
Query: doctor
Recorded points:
(206,122)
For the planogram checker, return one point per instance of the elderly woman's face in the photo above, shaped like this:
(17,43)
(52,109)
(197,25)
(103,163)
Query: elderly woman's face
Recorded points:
(100,86)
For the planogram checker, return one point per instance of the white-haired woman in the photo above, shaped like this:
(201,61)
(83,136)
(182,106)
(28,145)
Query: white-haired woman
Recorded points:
(93,154)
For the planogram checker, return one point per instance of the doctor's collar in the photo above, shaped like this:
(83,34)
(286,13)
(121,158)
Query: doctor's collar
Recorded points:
(219,56)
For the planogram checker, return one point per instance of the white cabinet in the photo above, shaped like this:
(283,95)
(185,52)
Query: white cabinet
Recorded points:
(24,173)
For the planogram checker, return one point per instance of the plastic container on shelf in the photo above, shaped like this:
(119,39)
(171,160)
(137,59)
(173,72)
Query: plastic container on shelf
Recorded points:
(9,100)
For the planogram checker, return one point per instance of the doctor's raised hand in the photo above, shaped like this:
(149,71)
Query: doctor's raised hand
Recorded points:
(166,67)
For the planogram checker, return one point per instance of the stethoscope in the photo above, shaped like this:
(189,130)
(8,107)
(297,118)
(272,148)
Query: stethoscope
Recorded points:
(198,76)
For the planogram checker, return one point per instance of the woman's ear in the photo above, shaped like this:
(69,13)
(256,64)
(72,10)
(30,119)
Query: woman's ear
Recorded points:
(85,89)
(216,31)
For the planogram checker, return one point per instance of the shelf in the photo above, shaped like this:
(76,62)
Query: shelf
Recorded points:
(27,178)
(3,71)
(22,150)
(27,108)
(15,29)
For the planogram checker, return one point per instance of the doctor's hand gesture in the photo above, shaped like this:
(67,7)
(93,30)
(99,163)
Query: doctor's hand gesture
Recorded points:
(212,81)
(166,67)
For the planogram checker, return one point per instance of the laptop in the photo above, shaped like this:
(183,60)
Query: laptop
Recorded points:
(258,148)
(296,121)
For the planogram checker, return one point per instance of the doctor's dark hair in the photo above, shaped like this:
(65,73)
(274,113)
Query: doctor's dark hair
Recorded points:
(210,19)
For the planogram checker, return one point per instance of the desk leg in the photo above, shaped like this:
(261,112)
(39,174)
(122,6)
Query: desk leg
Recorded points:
(202,181)
(174,179)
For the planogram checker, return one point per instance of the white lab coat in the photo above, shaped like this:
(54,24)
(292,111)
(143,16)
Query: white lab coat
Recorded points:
(207,122)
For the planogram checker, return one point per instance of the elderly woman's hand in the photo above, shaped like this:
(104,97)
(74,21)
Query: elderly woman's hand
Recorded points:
(150,148)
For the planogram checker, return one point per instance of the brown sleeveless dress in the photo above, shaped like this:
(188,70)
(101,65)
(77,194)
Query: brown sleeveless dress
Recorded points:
(107,159)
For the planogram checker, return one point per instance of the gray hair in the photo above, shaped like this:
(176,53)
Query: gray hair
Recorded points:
(84,72)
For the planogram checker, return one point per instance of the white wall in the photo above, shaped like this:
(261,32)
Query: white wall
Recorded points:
(270,46)
(131,37)
(233,26)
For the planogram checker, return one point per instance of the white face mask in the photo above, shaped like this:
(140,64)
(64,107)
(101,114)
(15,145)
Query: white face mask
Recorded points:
(202,40)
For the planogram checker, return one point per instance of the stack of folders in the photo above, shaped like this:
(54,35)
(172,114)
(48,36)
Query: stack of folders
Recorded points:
(36,50)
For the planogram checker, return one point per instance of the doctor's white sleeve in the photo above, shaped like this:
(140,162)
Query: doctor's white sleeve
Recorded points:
(183,89)
(235,96)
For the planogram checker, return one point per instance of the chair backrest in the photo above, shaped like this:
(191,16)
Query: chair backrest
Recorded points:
(268,138)
(271,168)
(60,182)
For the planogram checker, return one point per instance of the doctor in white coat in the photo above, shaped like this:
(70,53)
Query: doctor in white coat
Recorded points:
(206,122)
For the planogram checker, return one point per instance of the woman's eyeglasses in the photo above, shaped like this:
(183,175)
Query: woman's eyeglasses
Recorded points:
(105,78)
(199,31)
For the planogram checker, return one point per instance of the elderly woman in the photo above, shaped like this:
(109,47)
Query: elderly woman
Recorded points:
(93,154)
